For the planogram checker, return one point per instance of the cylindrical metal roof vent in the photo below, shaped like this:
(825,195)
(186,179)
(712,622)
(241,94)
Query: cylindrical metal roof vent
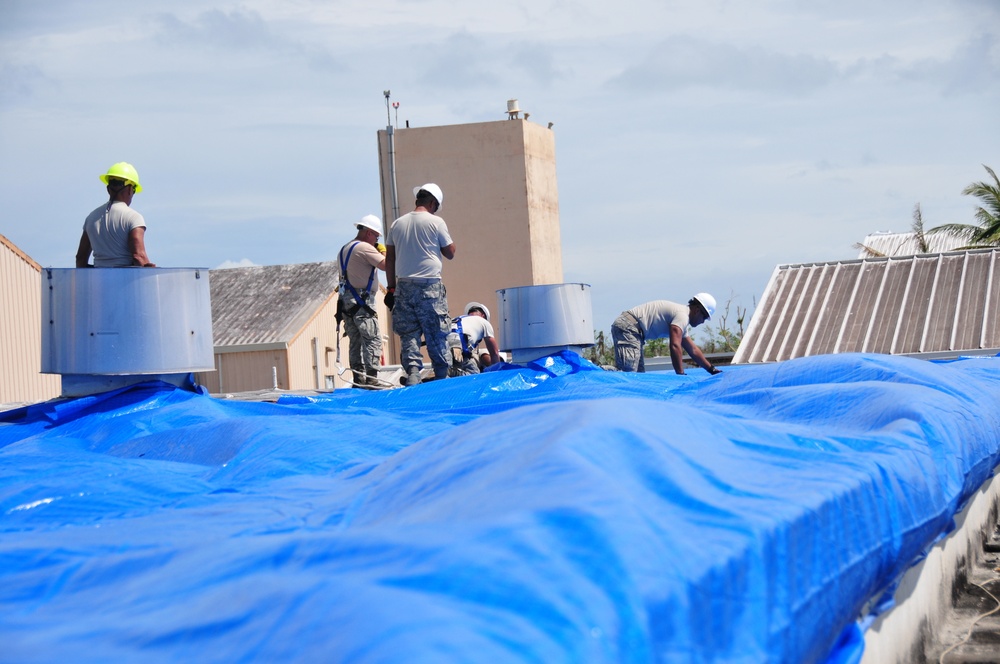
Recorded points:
(126,322)
(536,321)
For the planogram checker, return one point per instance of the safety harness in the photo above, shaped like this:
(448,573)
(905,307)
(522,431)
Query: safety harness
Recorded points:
(362,302)
(461,335)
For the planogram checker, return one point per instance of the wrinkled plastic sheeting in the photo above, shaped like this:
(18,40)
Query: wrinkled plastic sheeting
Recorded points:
(548,512)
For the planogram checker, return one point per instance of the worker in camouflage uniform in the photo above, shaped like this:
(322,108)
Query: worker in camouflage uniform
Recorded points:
(359,260)
(415,294)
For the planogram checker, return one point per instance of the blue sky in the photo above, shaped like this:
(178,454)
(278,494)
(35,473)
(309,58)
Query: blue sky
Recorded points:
(699,143)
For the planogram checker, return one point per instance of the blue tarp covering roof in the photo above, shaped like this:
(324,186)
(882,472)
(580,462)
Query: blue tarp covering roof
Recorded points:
(552,512)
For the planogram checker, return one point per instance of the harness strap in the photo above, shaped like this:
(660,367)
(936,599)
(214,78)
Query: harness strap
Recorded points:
(362,302)
(461,335)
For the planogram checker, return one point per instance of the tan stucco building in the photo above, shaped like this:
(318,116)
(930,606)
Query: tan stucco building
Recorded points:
(501,203)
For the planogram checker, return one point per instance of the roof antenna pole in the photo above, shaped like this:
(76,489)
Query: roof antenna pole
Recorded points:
(392,160)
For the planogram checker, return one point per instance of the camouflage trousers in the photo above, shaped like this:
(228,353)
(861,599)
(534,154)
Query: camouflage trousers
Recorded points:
(421,310)
(628,338)
(364,337)
(462,362)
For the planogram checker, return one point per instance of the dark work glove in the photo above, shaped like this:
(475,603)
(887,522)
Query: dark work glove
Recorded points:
(714,371)
(390,299)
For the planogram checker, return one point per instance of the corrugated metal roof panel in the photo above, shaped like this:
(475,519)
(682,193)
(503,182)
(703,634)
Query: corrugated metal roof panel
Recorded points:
(931,303)
(905,244)
(268,304)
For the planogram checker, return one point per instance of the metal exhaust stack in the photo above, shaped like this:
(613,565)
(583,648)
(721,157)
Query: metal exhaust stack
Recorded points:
(536,321)
(106,328)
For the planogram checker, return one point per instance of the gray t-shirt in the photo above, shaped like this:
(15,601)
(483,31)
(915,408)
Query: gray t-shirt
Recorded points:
(108,228)
(475,327)
(418,238)
(656,317)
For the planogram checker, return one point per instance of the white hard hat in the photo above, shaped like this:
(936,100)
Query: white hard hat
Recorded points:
(372,222)
(431,189)
(706,301)
(477,305)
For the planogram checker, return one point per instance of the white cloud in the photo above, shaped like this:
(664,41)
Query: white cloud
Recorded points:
(685,62)
(974,65)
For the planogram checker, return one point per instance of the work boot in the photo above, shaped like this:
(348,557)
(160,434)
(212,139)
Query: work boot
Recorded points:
(372,377)
(413,378)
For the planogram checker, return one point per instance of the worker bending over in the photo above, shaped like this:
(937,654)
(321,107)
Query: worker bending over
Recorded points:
(656,320)
(466,333)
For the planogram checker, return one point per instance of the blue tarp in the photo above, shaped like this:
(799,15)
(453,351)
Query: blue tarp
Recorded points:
(551,512)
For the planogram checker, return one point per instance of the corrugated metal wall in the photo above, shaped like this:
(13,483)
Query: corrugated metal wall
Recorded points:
(20,330)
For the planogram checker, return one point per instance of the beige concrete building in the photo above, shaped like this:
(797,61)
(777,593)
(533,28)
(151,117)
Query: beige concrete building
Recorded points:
(501,203)
(20,330)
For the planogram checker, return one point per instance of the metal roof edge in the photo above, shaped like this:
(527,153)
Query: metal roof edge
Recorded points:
(250,348)
(931,355)
(953,354)
(20,253)
(754,318)
(883,259)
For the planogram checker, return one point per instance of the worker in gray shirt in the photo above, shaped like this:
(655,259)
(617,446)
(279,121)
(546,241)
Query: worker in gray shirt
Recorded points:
(114,232)
(415,293)
(661,319)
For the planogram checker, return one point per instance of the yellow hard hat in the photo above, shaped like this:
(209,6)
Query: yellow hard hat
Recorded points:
(123,171)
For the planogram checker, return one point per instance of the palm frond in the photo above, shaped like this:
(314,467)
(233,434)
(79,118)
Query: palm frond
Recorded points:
(962,231)
(988,213)
(923,246)
(869,251)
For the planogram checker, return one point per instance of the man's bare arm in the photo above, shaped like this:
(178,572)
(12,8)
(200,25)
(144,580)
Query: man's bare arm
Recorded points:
(491,345)
(390,266)
(699,357)
(137,246)
(676,354)
(83,251)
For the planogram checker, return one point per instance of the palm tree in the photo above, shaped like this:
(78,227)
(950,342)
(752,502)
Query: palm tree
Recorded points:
(987,233)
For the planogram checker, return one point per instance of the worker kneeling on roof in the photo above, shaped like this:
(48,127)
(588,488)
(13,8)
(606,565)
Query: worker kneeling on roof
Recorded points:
(656,320)
(466,333)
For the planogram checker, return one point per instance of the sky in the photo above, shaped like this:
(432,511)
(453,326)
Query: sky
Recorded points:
(699,143)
